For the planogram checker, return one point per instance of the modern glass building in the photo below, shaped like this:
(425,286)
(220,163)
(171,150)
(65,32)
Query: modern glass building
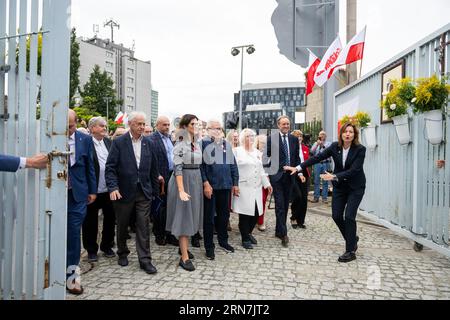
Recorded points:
(263,103)
(154,115)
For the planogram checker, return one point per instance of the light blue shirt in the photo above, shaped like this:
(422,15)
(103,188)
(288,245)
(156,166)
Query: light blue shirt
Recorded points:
(169,149)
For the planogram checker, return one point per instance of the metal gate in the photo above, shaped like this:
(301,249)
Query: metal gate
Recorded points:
(33,119)
(405,191)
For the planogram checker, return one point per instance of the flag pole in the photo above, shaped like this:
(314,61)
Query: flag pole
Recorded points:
(360,68)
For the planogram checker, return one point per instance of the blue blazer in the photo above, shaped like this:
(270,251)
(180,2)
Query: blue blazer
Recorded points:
(122,173)
(223,175)
(161,156)
(9,163)
(351,176)
(82,173)
(294,154)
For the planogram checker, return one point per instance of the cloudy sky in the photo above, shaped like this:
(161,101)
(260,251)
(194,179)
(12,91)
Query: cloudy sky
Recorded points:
(189,42)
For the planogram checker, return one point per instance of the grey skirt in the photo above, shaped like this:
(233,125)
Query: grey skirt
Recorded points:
(185,218)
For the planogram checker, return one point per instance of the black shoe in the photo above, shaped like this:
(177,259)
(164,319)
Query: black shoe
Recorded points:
(301,226)
(347,257)
(187,265)
(285,241)
(173,241)
(109,253)
(227,247)
(92,257)
(294,224)
(123,261)
(195,242)
(147,267)
(356,245)
(160,241)
(247,245)
(252,239)
(191,256)
(210,254)
(279,237)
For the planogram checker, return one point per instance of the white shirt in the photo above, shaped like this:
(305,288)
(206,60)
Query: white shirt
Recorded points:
(23,163)
(137,148)
(287,143)
(102,155)
(72,149)
(344,155)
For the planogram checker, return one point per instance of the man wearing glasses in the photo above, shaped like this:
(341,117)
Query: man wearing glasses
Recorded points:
(220,177)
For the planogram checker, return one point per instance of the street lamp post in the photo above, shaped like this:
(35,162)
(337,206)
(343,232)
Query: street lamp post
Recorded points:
(107,100)
(235,51)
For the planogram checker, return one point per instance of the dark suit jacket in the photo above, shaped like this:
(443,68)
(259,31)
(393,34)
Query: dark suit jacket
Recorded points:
(161,156)
(9,163)
(351,176)
(96,164)
(82,173)
(122,173)
(270,160)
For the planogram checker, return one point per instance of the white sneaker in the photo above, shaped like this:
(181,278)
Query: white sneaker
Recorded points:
(262,227)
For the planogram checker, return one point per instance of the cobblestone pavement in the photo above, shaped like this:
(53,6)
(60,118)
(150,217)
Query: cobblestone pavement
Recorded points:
(387,267)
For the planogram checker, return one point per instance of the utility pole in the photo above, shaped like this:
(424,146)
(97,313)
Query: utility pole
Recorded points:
(111,23)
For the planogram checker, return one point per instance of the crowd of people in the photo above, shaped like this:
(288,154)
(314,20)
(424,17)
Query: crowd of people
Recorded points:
(185,184)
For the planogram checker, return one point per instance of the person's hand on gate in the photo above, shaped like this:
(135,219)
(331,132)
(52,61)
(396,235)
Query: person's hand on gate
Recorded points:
(38,161)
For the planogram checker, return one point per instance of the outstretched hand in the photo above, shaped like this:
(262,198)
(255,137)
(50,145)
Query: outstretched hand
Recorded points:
(327,176)
(291,169)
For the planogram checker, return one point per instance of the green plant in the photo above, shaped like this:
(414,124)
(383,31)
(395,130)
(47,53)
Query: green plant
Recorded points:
(431,94)
(363,119)
(399,98)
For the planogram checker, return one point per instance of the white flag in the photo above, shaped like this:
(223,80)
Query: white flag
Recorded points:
(327,66)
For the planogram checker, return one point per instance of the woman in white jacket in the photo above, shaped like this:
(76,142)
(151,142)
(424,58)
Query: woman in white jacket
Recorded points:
(252,178)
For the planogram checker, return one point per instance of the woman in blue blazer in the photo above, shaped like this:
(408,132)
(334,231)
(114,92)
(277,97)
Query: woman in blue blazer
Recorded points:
(349,183)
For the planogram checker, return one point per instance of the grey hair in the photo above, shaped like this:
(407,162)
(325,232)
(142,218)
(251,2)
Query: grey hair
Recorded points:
(135,114)
(211,121)
(281,118)
(245,133)
(95,121)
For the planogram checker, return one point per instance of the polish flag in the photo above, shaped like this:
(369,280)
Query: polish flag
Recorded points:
(119,118)
(327,66)
(354,50)
(312,67)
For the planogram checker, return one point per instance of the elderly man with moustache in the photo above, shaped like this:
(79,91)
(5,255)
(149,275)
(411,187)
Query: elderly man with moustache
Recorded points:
(132,180)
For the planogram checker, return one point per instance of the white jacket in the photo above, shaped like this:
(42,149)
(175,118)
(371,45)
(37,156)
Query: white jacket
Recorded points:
(252,179)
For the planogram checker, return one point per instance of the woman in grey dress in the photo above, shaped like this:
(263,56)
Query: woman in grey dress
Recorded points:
(185,189)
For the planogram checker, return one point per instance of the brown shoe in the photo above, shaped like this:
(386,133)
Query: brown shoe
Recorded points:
(285,241)
(75,291)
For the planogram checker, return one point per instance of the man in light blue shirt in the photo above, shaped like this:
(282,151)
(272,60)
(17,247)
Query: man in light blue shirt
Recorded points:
(320,168)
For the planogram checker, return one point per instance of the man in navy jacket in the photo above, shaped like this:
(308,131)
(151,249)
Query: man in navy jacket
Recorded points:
(82,191)
(220,177)
(132,179)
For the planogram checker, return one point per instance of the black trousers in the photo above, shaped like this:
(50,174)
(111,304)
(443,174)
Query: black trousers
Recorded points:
(219,203)
(281,194)
(299,200)
(90,224)
(123,211)
(247,224)
(346,201)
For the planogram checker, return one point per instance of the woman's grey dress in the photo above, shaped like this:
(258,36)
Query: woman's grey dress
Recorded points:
(185,218)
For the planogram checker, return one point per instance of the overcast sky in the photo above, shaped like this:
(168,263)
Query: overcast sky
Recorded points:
(189,42)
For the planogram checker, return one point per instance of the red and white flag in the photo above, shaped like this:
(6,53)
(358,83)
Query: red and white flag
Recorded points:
(312,67)
(327,66)
(354,50)
(119,118)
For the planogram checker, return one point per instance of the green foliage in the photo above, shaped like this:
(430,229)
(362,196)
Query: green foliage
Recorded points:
(431,94)
(363,119)
(84,115)
(100,86)
(399,98)
(74,66)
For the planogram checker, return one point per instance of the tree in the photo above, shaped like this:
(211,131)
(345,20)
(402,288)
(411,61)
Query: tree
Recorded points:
(74,66)
(100,86)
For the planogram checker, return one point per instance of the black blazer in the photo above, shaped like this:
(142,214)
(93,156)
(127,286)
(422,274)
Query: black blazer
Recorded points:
(96,164)
(122,173)
(351,176)
(273,164)
(161,156)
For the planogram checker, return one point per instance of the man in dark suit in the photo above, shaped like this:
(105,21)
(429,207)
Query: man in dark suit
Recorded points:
(82,191)
(12,164)
(97,127)
(132,180)
(164,153)
(282,150)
